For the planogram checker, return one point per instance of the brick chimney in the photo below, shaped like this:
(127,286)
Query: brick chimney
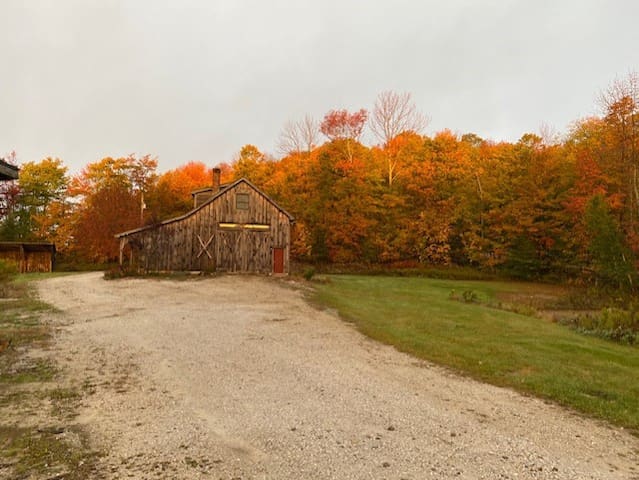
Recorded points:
(217,173)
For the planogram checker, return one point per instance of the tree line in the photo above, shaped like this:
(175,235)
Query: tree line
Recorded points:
(539,207)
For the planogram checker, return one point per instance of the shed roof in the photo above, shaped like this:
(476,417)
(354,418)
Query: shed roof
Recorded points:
(223,189)
(27,246)
(8,171)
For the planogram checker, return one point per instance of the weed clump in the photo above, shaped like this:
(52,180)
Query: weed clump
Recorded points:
(611,323)
(467,296)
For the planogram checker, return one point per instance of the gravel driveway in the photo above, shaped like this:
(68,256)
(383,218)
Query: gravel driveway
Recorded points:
(237,377)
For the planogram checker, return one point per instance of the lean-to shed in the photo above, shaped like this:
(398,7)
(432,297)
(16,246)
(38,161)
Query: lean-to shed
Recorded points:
(29,256)
(237,228)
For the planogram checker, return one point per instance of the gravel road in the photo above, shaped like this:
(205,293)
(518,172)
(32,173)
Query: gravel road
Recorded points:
(237,377)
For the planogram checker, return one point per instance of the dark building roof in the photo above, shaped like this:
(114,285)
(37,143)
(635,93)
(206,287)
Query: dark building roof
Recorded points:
(27,246)
(8,171)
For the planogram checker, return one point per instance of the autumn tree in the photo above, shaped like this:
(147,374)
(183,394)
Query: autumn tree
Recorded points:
(171,194)
(536,218)
(293,185)
(400,211)
(109,210)
(345,128)
(253,165)
(101,174)
(394,114)
(43,187)
(437,184)
(109,193)
(620,102)
(340,203)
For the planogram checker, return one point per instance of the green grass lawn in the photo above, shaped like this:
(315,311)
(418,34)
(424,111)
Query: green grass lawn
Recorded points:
(417,316)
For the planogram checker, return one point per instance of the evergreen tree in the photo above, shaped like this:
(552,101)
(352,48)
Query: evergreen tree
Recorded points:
(611,258)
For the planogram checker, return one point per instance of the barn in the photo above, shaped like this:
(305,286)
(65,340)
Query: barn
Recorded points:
(233,228)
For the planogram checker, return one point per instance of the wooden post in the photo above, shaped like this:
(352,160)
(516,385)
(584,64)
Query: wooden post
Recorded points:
(122,240)
(23,259)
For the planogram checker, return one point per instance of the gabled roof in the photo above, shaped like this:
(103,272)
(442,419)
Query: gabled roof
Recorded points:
(8,171)
(223,190)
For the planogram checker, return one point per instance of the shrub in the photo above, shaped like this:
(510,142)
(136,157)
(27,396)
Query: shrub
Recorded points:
(7,272)
(309,273)
(470,296)
(611,324)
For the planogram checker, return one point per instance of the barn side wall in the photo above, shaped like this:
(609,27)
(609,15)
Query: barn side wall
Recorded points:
(197,242)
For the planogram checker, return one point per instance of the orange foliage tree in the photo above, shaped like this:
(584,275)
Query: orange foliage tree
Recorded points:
(171,195)
(109,198)
(517,207)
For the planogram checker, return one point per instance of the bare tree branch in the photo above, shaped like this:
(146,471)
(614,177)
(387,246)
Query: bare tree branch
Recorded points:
(299,136)
(620,88)
(395,113)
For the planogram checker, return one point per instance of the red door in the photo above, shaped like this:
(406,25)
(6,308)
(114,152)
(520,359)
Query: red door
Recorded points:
(278,260)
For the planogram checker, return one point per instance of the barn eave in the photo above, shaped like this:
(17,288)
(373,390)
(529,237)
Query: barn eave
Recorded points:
(8,171)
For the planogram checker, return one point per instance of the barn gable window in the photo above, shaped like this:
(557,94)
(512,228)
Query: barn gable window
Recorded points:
(242,201)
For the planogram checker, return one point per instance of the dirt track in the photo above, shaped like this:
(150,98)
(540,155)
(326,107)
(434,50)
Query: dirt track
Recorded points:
(237,377)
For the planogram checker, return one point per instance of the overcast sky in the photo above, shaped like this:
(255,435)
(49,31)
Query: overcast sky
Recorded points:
(198,79)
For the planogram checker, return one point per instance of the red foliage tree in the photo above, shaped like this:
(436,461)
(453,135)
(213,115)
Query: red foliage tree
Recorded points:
(340,125)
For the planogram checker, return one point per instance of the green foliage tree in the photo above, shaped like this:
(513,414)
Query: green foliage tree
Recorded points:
(611,258)
(41,186)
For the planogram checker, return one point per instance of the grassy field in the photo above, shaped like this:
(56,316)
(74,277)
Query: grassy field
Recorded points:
(418,316)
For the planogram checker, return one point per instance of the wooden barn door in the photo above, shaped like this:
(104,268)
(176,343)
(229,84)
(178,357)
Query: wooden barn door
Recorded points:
(203,258)
(229,251)
(244,251)
(278,260)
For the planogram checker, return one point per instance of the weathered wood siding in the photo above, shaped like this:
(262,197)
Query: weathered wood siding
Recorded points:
(28,258)
(201,197)
(198,242)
